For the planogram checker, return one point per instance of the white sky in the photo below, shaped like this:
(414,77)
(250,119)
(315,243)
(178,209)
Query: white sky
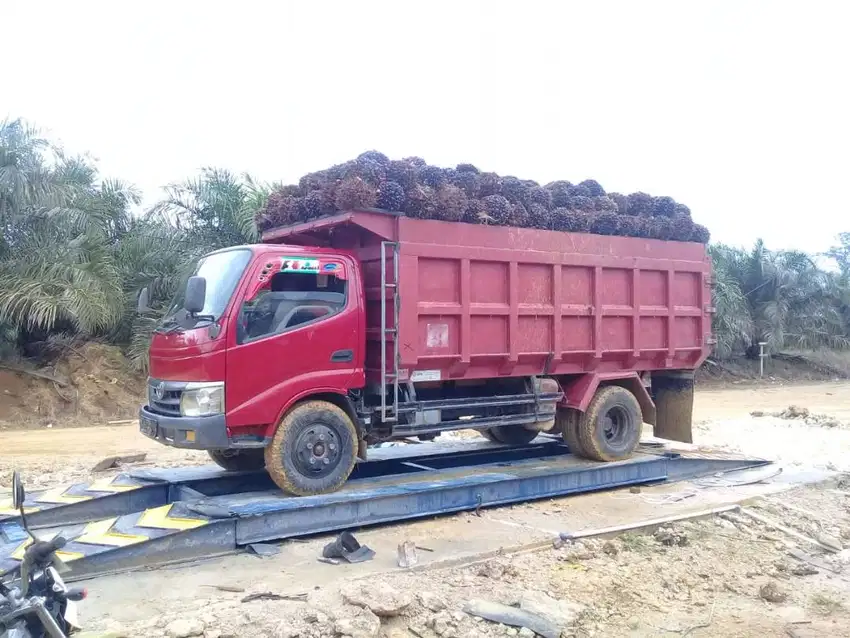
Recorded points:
(739,109)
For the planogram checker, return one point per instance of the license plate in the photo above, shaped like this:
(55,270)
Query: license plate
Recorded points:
(148,427)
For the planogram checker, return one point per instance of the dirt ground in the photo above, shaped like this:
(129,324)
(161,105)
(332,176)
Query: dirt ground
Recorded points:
(726,575)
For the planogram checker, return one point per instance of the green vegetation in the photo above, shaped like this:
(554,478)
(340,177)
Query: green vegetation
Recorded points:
(75,251)
(73,255)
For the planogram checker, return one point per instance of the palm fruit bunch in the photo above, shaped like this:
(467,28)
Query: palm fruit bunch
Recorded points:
(413,187)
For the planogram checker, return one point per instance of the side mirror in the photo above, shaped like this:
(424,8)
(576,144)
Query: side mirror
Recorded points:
(143,303)
(19,495)
(196,294)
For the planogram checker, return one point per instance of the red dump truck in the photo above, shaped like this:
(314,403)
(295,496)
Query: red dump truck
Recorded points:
(298,353)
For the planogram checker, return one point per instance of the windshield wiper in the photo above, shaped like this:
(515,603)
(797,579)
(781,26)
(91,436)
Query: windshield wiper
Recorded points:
(167,327)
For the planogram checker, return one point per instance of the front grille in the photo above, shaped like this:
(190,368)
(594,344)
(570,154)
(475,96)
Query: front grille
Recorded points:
(169,403)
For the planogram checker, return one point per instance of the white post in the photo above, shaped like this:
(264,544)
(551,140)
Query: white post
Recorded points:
(762,344)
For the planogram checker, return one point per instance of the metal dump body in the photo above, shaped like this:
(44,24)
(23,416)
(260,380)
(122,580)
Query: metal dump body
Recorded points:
(477,301)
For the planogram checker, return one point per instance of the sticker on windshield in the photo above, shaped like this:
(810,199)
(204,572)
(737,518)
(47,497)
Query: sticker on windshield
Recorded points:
(299,264)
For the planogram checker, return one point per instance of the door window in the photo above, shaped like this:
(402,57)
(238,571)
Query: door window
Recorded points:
(290,300)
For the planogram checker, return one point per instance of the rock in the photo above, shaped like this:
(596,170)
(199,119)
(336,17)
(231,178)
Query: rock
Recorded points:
(525,632)
(212,633)
(379,598)
(803,570)
(829,541)
(287,630)
(431,601)
(635,489)
(357,622)
(185,628)
(441,623)
(496,570)
(498,613)
(773,593)
(610,548)
(670,537)
(561,613)
(314,616)
(724,524)
(510,631)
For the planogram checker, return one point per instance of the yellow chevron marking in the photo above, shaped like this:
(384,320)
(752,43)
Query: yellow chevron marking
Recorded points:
(6,509)
(18,554)
(100,533)
(107,485)
(158,517)
(57,496)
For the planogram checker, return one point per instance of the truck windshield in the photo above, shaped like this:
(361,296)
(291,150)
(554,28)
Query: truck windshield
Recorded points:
(222,272)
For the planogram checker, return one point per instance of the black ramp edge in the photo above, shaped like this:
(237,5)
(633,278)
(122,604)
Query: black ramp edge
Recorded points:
(211,540)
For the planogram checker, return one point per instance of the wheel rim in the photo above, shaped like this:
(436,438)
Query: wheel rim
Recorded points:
(616,425)
(318,451)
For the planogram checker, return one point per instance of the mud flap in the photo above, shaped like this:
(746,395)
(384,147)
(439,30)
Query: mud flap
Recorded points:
(673,394)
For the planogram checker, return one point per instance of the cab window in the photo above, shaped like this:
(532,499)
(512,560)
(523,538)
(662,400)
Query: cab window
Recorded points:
(290,301)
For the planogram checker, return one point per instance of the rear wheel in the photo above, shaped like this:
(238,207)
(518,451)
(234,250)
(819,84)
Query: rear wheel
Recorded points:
(567,423)
(512,434)
(238,460)
(610,429)
(314,449)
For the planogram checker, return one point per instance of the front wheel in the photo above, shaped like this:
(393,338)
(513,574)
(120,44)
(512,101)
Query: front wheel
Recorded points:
(238,460)
(511,434)
(314,449)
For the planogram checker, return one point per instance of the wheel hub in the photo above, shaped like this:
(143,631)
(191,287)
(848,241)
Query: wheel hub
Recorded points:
(317,451)
(615,425)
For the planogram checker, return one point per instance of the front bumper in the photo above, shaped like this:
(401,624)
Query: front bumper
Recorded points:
(194,433)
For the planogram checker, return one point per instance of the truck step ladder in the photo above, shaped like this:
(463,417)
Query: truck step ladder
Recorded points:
(389,373)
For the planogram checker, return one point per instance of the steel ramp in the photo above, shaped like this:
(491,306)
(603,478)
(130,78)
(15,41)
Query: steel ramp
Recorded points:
(192,513)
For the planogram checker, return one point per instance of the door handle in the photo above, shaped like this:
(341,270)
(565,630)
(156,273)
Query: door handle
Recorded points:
(342,356)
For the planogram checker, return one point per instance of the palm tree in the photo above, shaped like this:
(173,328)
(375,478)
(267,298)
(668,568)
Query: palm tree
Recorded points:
(780,298)
(214,210)
(217,208)
(56,271)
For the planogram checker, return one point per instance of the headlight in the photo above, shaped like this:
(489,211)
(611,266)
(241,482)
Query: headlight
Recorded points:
(202,399)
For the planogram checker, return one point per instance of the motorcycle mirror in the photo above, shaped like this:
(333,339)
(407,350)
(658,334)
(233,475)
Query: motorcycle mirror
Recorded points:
(19,495)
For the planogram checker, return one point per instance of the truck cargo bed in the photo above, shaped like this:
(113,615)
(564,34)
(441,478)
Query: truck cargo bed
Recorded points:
(477,302)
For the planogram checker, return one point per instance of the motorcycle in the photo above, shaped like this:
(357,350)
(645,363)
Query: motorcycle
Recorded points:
(34,600)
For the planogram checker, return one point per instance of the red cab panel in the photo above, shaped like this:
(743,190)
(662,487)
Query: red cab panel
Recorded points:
(295,330)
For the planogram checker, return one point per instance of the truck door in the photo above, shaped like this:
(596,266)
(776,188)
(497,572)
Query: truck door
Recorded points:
(296,333)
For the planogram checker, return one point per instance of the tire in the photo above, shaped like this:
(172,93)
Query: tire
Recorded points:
(568,421)
(238,460)
(488,434)
(512,434)
(610,429)
(314,449)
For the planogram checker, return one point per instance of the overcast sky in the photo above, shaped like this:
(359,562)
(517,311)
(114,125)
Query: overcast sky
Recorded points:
(739,109)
